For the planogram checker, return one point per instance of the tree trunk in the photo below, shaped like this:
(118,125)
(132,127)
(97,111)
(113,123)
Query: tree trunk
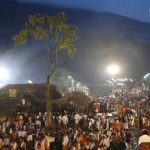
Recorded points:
(48,105)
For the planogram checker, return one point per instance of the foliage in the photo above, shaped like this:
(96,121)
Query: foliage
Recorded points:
(53,30)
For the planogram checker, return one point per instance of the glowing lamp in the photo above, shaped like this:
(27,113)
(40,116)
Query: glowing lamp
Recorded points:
(113,69)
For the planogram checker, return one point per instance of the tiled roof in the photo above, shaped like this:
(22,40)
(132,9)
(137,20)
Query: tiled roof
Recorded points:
(23,86)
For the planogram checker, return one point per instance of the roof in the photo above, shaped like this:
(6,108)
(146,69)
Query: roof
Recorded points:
(35,90)
(23,86)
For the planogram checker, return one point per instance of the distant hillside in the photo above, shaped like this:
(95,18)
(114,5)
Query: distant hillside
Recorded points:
(14,14)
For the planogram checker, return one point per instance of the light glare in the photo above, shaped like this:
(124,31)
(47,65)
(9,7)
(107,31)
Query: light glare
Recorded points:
(4,73)
(29,81)
(113,69)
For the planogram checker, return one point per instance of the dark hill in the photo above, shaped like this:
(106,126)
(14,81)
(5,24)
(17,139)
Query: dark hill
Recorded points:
(13,15)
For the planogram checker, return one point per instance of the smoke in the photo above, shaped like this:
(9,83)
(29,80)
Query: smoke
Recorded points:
(25,63)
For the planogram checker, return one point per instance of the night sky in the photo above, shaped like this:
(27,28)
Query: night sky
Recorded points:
(137,9)
(112,31)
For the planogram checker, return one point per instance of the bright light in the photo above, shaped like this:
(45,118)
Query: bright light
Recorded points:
(29,81)
(147,76)
(4,74)
(113,69)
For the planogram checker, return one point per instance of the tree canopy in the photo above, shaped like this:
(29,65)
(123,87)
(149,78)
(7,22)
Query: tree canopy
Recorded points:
(53,30)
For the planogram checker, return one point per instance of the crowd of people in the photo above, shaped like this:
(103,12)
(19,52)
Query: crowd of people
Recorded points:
(81,130)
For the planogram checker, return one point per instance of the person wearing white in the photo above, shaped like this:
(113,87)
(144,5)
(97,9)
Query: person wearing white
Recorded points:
(23,133)
(23,145)
(65,120)
(14,146)
(144,139)
(59,119)
(91,145)
(106,142)
(77,118)
(90,124)
(92,121)
(38,122)
(29,138)
(126,124)
(107,123)
(19,133)
(65,142)
(98,124)
(85,116)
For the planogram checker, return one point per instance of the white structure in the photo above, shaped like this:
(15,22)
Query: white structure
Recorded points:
(77,86)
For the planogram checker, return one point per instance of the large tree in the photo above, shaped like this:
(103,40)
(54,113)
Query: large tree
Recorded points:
(60,78)
(56,35)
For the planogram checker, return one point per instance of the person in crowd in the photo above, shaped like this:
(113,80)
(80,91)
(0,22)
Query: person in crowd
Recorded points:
(78,130)
(65,142)
(128,138)
(65,120)
(122,144)
(144,138)
(1,143)
(76,119)
(106,142)
(23,145)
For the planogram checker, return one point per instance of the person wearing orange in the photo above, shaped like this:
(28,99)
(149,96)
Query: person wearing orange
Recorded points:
(1,143)
(82,139)
(116,125)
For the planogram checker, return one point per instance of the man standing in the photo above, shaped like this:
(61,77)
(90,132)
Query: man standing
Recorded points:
(65,121)
(65,142)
